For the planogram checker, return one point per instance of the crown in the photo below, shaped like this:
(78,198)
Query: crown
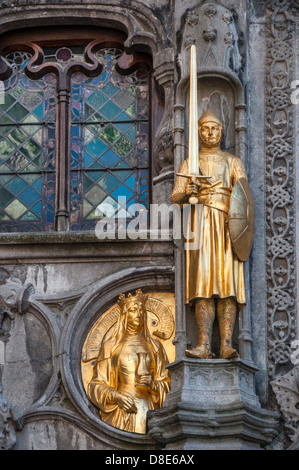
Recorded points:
(123,301)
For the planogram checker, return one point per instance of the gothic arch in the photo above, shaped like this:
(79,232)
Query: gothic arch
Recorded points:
(143,26)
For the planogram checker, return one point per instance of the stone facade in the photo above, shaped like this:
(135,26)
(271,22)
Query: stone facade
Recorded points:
(54,286)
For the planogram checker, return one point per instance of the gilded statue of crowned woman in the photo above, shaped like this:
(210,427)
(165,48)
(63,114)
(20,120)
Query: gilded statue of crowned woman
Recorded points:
(129,375)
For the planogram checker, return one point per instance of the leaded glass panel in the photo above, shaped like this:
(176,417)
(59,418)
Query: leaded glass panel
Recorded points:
(109,136)
(27,150)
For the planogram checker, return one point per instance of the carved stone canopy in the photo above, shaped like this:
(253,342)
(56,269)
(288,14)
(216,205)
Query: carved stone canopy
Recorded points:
(212,28)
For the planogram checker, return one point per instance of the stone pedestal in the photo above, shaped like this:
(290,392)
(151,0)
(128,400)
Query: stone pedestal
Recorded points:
(212,405)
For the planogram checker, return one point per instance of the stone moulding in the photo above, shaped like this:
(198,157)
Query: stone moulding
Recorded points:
(213,405)
(137,19)
(280,187)
(64,398)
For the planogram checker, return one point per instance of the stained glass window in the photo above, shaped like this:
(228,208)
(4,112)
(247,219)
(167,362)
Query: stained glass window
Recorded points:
(27,150)
(108,132)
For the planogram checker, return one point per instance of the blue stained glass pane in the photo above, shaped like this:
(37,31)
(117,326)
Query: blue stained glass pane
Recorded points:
(29,197)
(109,182)
(131,181)
(96,147)
(122,190)
(111,141)
(110,111)
(88,160)
(96,175)
(38,185)
(39,111)
(109,159)
(123,126)
(37,209)
(123,117)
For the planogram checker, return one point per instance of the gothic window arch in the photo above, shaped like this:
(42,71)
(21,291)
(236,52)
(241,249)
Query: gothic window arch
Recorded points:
(75,129)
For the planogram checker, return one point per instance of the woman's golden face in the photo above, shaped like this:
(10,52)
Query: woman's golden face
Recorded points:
(135,316)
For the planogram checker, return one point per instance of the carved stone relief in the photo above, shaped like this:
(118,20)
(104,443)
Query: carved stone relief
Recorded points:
(215,24)
(280,195)
(286,390)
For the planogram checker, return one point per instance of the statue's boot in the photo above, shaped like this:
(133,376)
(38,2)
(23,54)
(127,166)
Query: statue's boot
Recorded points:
(205,316)
(226,314)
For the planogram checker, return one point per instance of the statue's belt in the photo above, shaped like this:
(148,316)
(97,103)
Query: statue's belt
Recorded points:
(217,198)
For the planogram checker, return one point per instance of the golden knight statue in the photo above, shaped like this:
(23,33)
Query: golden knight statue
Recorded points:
(222,236)
(129,374)
(221,228)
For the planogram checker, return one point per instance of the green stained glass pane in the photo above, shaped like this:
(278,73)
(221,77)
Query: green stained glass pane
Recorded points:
(18,137)
(5,197)
(31,100)
(17,162)
(38,137)
(17,92)
(123,146)
(87,208)
(5,129)
(4,179)
(6,149)
(95,195)
(110,134)
(95,175)
(30,178)
(15,209)
(31,120)
(18,112)
(8,102)
(131,110)
(30,149)
(29,216)
(38,161)
(87,183)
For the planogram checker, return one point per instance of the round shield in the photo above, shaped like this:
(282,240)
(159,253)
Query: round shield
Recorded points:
(241,219)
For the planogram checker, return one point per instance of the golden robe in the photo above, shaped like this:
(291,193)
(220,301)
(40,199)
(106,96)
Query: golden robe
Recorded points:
(115,371)
(212,268)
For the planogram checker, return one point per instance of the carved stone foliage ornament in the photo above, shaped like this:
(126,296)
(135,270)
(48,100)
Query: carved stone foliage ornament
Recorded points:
(286,389)
(280,187)
(124,359)
(14,298)
(10,420)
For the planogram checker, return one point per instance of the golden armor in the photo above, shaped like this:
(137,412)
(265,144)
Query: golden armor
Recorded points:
(214,272)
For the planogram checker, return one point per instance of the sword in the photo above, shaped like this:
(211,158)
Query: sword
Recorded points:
(193,130)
